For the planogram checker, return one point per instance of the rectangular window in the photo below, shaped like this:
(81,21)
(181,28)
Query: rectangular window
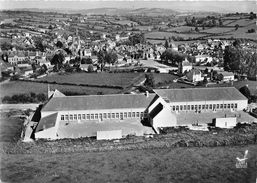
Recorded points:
(181,107)
(83,116)
(188,107)
(195,107)
(109,115)
(221,106)
(218,106)
(199,107)
(228,106)
(203,106)
(174,108)
(129,114)
(177,107)
(133,114)
(96,116)
(105,115)
(210,106)
(71,117)
(192,107)
(185,107)
(235,106)
(92,116)
(214,106)
(141,114)
(121,115)
(207,106)
(232,106)
(79,116)
(137,114)
(101,116)
(88,116)
(113,115)
(62,117)
(117,115)
(125,114)
(225,106)
(66,117)
(75,116)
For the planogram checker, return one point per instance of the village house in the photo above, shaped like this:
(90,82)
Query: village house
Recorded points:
(227,76)
(184,66)
(194,75)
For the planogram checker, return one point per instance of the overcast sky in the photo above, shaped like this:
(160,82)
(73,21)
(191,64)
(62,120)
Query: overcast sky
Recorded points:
(203,5)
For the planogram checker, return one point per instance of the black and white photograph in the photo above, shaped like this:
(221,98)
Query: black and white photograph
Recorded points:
(128,91)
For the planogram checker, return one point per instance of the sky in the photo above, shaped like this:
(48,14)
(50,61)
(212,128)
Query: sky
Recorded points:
(203,5)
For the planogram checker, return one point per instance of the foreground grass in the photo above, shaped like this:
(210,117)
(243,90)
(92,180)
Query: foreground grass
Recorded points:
(152,165)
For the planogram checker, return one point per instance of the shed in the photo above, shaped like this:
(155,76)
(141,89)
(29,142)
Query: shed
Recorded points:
(108,135)
(229,122)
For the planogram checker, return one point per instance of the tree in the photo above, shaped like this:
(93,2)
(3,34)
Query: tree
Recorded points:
(90,68)
(59,44)
(106,57)
(136,39)
(6,46)
(57,61)
(231,59)
(173,56)
(38,41)
(236,26)
(245,91)
(166,44)
(149,80)
(220,22)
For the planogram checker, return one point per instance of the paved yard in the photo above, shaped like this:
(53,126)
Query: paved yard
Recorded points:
(185,118)
(89,128)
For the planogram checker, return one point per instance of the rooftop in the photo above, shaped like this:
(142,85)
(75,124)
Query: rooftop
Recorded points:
(96,102)
(201,94)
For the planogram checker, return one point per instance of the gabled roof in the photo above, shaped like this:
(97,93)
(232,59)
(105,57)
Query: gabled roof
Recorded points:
(201,94)
(46,122)
(96,102)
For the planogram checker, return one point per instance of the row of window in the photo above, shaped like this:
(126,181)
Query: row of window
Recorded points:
(101,116)
(203,107)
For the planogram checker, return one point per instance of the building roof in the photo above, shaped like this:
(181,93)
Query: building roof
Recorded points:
(201,94)
(96,102)
(224,73)
(47,122)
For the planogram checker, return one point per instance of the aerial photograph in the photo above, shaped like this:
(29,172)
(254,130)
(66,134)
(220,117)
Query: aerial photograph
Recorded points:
(134,91)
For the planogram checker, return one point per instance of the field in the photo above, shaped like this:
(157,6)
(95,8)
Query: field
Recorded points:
(10,128)
(161,35)
(107,79)
(181,165)
(17,87)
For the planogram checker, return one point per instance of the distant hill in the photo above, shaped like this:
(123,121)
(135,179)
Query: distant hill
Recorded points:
(109,11)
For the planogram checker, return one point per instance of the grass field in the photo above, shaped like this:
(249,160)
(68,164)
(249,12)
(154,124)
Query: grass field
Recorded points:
(181,165)
(10,128)
(161,35)
(108,79)
(17,87)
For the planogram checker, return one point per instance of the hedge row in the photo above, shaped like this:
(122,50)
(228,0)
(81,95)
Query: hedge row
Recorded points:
(240,136)
(74,84)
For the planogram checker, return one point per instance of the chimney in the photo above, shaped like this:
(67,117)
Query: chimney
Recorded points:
(147,94)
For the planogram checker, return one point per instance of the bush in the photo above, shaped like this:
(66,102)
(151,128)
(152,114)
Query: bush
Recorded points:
(25,98)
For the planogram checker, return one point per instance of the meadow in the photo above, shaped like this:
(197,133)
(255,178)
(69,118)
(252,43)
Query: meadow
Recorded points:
(183,165)
(101,79)
(18,87)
